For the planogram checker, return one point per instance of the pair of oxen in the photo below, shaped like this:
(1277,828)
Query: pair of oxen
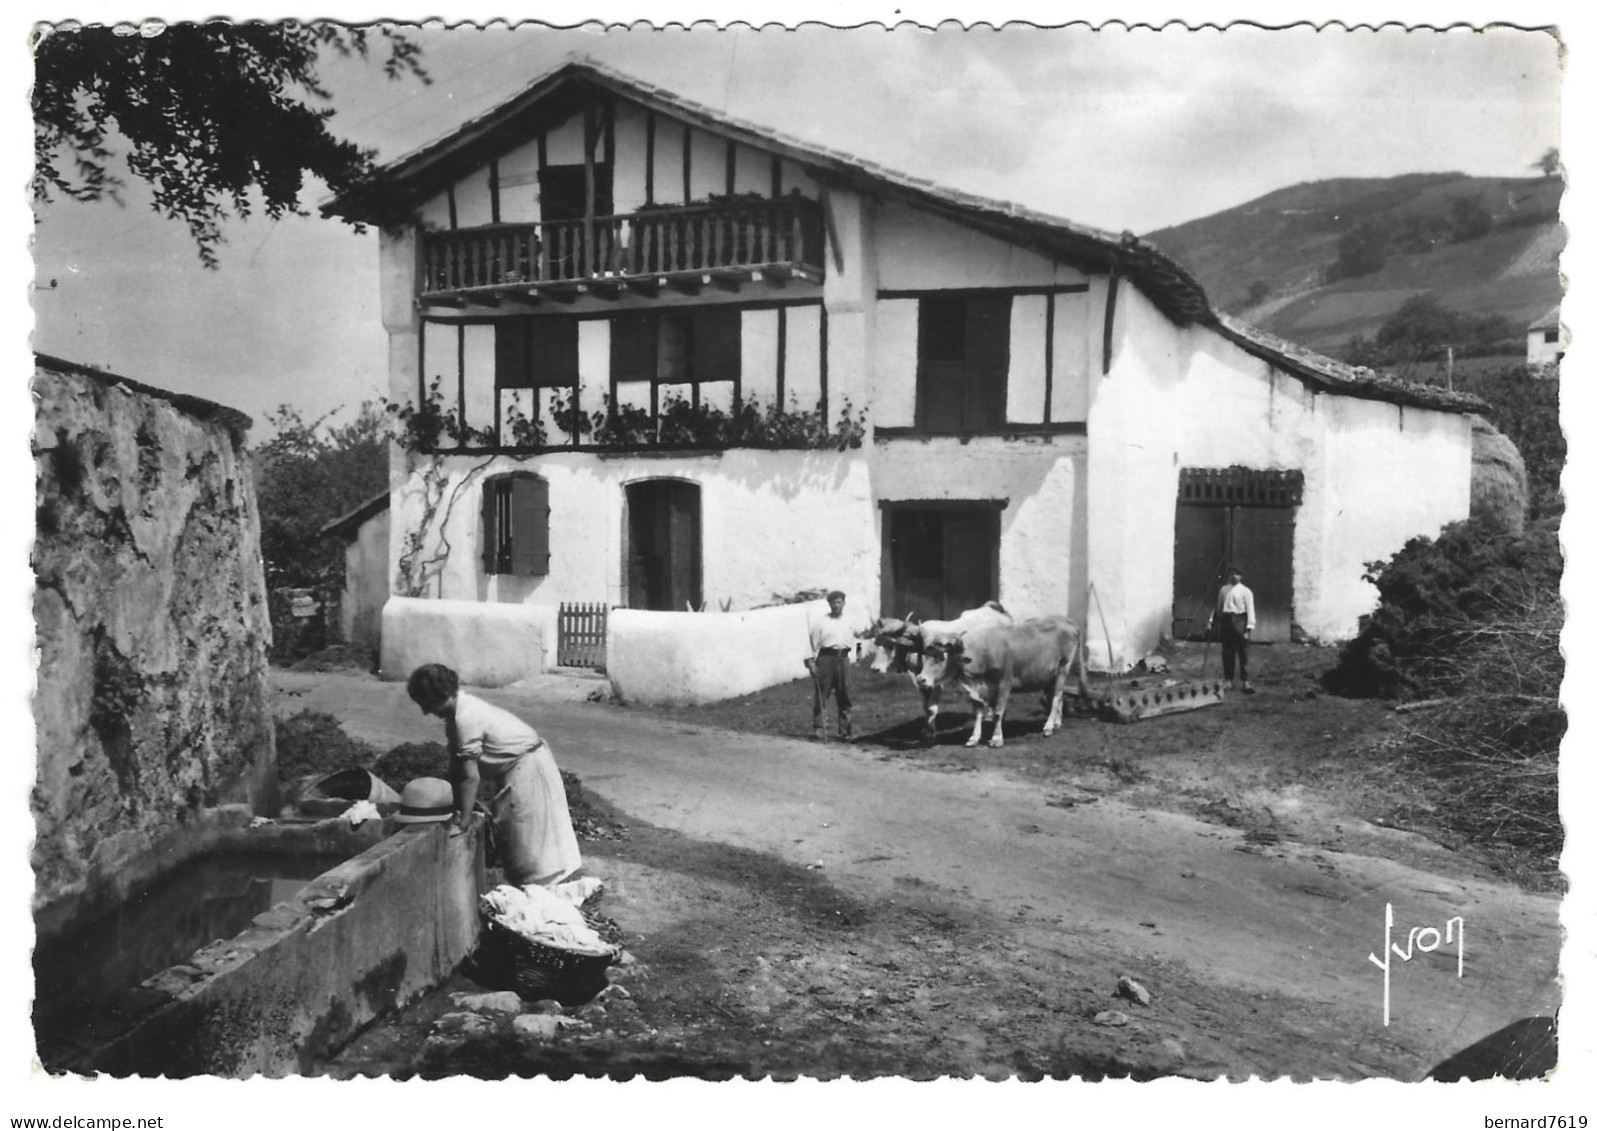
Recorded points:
(985,653)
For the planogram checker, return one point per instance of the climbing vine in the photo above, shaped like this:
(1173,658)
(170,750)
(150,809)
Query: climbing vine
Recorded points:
(681,424)
(414,572)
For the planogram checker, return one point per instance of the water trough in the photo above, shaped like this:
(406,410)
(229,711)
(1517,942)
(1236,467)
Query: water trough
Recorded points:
(306,931)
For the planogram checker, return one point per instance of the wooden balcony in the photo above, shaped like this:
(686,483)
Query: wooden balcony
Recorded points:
(725,243)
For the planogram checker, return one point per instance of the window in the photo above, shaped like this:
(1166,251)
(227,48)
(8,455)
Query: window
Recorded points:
(678,347)
(515,525)
(563,192)
(1550,336)
(535,353)
(963,354)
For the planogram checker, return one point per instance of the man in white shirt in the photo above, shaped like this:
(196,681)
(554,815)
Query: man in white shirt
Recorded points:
(1234,614)
(831,652)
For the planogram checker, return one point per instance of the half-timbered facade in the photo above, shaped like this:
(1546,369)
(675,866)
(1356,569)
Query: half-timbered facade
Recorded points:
(663,358)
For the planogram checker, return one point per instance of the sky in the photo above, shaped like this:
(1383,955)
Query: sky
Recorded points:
(1121,128)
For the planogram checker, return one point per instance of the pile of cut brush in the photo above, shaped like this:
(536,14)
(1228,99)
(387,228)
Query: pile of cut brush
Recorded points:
(1467,637)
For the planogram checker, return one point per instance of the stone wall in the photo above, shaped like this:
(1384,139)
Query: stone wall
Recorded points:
(152,630)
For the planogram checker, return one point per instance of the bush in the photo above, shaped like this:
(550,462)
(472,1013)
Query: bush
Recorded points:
(306,475)
(1470,625)
(1449,606)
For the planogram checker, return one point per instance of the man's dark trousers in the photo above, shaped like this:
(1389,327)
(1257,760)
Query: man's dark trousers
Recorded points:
(1234,645)
(831,677)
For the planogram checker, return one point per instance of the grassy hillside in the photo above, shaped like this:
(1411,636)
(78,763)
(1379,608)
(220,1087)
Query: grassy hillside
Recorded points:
(1324,262)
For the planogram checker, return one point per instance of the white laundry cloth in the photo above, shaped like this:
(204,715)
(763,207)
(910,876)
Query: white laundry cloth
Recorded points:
(536,913)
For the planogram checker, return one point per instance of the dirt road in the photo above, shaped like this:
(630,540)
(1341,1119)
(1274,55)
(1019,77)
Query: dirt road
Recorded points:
(1256,949)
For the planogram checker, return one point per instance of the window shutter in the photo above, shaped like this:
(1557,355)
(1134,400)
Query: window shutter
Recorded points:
(529,521)
(510,354)
(490,524)
(717,344)
(986,361)
(554,353)
(674,341)
(632,347)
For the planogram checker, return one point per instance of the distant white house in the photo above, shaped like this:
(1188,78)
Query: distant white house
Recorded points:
(1545,341)
(1049,410)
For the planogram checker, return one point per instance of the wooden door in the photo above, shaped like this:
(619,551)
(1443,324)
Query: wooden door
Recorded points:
(664,551)
(1200,567)
(940,561)
(1213,540)
(1261,547)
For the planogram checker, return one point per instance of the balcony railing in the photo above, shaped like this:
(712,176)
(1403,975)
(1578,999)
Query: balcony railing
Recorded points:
(666,241)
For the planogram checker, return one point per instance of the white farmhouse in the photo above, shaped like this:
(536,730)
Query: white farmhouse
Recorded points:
(598,294)
(1545,342)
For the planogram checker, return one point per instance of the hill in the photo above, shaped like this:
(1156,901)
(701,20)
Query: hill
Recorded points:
(1325,262)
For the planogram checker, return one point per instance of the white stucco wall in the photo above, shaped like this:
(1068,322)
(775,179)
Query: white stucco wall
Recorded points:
(772,523)
(680,658)
(1539,351)
(488,645)
(918,251)
(1042,540)
(1374,474)
(366,583)
(1391,474)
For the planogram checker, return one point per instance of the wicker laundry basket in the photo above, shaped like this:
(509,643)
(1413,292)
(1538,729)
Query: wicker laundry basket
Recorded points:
(507,960)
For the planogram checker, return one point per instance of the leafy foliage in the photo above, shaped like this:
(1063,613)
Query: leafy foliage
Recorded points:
(1361,251)
(681,424)
(1423,329)
(1469,624)
(1440,601)
(214,115)
(307,475)
(423,427)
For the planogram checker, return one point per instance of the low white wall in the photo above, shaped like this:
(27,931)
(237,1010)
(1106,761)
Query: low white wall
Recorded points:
(677,658)
(488,645)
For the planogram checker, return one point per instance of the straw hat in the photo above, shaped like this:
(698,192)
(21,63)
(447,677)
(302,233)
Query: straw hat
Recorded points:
(426,800)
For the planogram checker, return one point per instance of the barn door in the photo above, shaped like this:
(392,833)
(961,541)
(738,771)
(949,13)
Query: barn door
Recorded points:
(1261,547)
(1235,518)
(1200,565)
(664,554)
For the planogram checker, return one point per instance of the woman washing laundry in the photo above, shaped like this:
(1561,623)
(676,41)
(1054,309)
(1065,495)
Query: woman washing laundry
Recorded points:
(499,760)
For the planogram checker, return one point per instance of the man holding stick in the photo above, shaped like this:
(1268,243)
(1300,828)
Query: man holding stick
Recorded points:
(831,652)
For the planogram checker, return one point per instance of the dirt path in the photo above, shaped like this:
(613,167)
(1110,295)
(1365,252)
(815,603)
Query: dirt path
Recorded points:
(1257,951)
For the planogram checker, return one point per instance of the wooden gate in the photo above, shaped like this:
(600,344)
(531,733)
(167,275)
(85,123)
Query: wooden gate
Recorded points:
(581,628)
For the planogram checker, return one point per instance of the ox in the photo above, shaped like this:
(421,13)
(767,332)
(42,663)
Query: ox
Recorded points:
(990,663)
(900,645)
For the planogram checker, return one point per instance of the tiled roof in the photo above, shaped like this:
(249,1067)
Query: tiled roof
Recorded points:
(1170,286)
(1329,375)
